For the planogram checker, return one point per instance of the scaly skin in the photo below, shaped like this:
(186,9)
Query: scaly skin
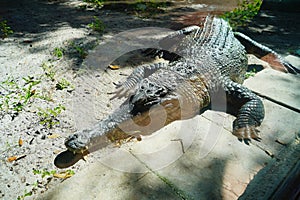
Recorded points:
(135,117)
(211,59)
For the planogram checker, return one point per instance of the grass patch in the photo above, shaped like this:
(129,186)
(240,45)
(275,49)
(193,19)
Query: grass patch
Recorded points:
(49,71)
(97,25)
(49,117)
(82,53)
(58,52)
(243,14)
(5,30)
(64,84)
(15,96)
(250,73)
(45,177)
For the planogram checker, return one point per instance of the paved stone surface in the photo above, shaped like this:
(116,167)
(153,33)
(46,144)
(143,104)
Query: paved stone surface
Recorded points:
(281,87)
(280,177)
(215,165)
(100,182)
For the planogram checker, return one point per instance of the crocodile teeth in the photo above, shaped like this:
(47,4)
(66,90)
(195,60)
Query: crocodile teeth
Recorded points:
(84,158)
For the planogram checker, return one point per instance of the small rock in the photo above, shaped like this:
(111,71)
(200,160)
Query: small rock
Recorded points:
(23,179)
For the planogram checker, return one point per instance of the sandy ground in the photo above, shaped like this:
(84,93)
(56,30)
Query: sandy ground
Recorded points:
(28,66)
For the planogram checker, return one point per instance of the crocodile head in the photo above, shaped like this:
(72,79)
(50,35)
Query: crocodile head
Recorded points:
(147,95)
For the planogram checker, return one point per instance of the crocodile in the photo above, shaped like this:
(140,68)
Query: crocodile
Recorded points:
(211,58)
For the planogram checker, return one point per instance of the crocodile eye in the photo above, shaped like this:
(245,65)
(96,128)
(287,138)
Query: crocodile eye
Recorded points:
(158,92)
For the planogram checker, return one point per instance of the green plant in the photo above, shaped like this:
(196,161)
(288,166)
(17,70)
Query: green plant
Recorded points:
(243,14)
(80,50)
(53,173)
(14,96)
(44,172)
(97,25)
(44,94)
(58,52)
(69,171)
(5,30)
(250,73)
(64,84)
(49,71)
(26,194)
(29,92)
(48,116)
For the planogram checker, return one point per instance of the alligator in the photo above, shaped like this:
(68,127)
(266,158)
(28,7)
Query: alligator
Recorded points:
(211,58)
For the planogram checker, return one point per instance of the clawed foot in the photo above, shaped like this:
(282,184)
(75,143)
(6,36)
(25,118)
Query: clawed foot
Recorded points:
(247,133)
(121,91)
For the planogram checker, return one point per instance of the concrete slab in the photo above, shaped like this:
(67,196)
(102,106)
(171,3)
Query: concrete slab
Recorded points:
(222,174)
(278,86)
(229,167)
(100,182)
(280,126)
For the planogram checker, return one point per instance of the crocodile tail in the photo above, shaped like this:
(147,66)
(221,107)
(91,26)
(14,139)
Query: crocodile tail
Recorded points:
(266,54)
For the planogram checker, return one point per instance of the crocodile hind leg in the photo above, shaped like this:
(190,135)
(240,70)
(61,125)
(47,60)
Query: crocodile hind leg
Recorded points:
(266,54)
(169,43)
(247,107)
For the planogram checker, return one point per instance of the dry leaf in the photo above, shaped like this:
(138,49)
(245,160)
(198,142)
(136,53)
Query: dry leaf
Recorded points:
(20,142)
(56,151)
(62,175)
(53,136)
(114,67)
(12,158)
(32,92)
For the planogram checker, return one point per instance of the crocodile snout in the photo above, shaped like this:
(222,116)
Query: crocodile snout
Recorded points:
(77,142)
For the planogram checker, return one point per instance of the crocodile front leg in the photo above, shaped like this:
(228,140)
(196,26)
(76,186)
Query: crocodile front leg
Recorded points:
(247,107)
(127,88)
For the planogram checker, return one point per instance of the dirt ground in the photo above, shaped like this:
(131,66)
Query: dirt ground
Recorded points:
(46,97)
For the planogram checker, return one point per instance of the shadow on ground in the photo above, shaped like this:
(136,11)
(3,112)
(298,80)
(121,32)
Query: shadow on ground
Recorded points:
(275,29)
